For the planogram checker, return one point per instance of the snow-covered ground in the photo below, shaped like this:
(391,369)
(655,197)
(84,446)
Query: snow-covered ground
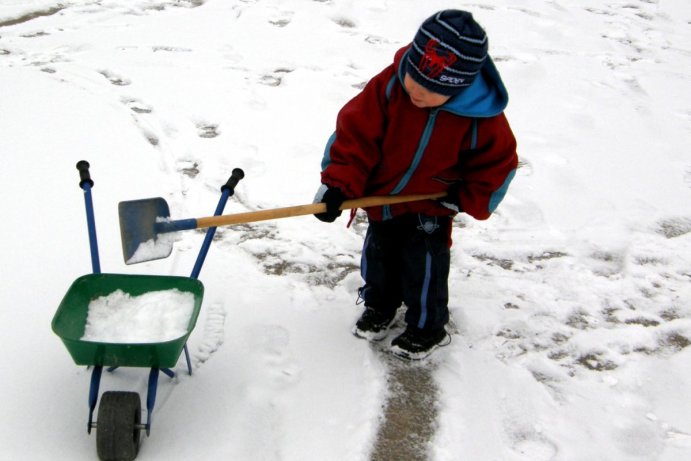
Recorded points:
(571,306)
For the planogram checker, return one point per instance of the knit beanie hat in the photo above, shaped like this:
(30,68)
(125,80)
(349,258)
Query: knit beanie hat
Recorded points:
(448,52)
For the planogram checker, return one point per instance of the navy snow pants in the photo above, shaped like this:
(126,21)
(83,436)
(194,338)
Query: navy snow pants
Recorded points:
(406,260)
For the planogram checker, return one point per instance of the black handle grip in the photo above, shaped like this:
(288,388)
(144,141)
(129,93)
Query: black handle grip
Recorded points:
(84,175)
(233,181)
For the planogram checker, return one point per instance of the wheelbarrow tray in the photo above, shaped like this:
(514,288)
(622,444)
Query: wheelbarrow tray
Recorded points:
(69,321)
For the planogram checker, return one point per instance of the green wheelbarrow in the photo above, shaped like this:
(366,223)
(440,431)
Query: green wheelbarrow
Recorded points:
(118,426)
(119,419)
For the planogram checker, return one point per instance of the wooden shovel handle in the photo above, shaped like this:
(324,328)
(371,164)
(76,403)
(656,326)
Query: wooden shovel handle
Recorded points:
(312,208)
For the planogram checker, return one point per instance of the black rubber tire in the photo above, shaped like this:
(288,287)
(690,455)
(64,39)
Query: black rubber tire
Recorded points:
(117,427)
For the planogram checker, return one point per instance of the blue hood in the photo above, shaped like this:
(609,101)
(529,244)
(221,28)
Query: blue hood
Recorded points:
(485,97)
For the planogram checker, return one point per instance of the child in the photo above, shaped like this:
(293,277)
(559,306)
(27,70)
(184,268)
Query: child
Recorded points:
(431,122)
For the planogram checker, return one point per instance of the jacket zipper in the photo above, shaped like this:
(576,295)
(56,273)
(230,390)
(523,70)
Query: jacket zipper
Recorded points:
(424,140)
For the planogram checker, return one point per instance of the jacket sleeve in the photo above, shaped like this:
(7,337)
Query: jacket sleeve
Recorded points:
(355,147)
(488,169)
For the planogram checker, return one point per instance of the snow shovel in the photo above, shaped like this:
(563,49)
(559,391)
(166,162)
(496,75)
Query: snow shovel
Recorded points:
(145,224)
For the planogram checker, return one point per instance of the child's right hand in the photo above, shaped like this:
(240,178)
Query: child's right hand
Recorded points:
(452,200)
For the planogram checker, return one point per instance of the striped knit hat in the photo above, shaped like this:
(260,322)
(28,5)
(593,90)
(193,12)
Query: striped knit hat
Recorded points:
(448,52)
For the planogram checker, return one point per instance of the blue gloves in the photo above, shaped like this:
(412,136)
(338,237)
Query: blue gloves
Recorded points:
(334,198)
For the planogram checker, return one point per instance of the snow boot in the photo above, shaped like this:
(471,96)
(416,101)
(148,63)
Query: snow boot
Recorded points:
(416,344)
(373,325)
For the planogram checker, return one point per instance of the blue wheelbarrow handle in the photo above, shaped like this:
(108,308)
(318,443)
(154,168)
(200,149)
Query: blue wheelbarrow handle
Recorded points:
(86,183)
(227,190)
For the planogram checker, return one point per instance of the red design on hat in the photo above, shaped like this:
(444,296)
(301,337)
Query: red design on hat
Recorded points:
(435,59)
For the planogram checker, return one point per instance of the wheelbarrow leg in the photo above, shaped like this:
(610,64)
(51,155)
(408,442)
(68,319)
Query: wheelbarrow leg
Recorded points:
(93,394)
(151,394)
(151,398)
(187,359)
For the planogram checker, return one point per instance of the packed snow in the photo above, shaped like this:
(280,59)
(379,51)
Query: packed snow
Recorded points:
(156,248)
(152,317)
(571,305)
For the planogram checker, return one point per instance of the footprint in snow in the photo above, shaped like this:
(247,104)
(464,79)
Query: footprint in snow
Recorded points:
(281,21)
(536,449)
(269,346)
(276,77)
(376,40)
(523,429)
(137,106)
(344,22)
(114,78)
(207,130)
(189,168)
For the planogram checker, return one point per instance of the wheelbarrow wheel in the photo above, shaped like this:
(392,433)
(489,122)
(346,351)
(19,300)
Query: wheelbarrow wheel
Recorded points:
(118,426)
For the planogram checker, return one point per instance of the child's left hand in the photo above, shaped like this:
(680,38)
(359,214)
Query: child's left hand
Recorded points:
(334,198)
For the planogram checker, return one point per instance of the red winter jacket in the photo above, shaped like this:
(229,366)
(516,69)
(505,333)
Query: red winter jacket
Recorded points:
(384,145)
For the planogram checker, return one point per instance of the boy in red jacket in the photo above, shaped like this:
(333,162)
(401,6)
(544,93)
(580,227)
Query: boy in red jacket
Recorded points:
(430,122)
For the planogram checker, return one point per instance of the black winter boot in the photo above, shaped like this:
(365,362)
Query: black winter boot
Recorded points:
(373,325)
(416,344)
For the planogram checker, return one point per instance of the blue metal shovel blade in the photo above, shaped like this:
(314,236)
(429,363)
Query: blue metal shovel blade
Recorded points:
(138,229)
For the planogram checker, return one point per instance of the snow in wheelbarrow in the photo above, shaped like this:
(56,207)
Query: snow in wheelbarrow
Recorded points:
(69,322)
